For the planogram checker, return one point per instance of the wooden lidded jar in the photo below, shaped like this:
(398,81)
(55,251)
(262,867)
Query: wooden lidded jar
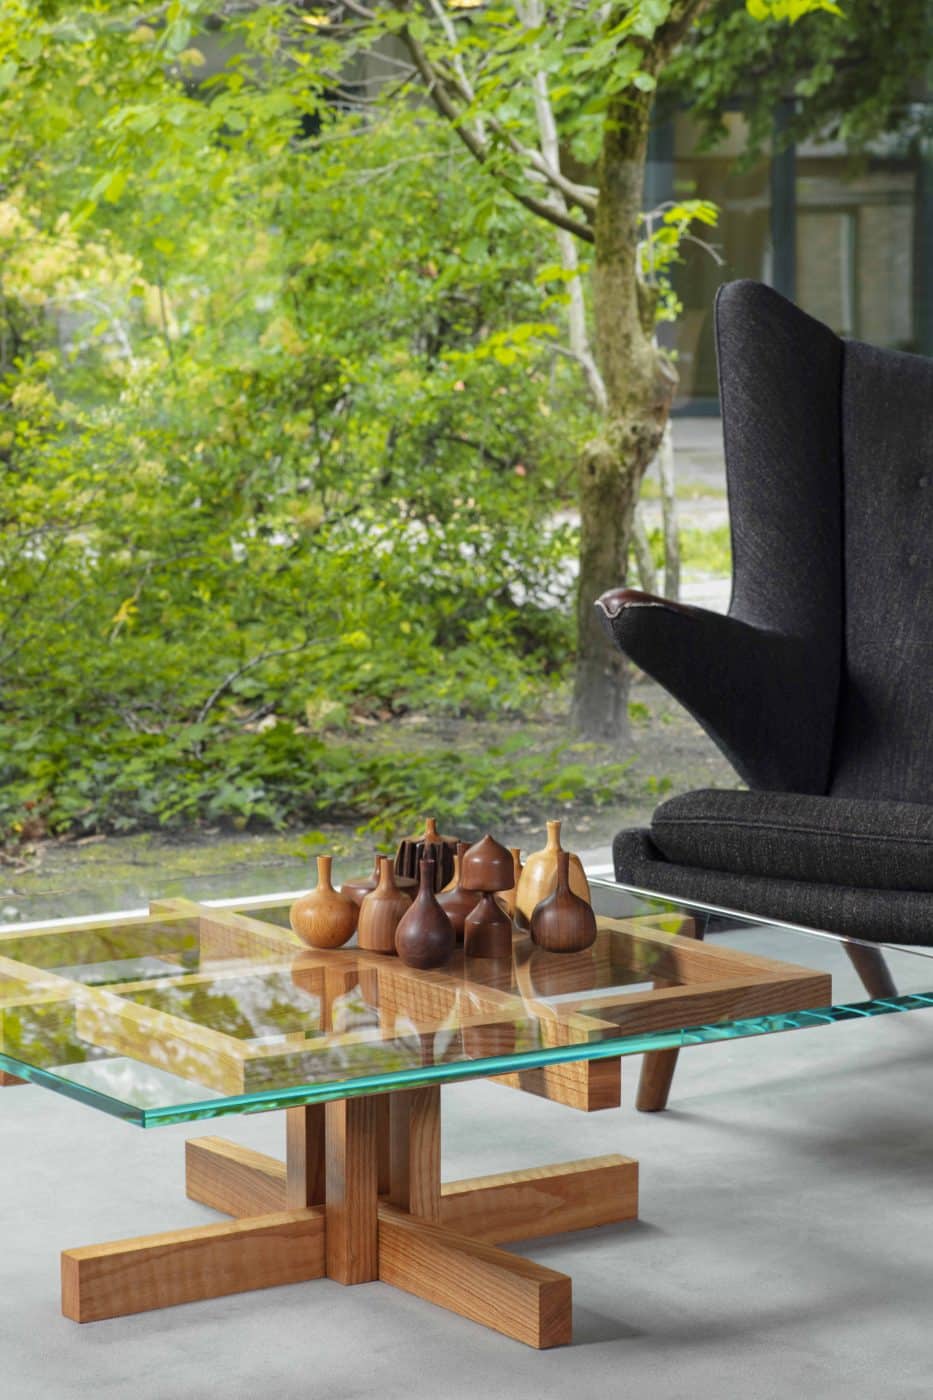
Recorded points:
(539,876)
(563,923)
(381,911)
(323,918)
(425,936)
(487,929)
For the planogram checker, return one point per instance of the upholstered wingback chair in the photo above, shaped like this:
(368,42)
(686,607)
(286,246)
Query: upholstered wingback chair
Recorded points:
(818,684)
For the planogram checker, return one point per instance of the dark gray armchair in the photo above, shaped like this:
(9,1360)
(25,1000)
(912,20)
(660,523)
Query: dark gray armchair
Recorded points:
(818,684)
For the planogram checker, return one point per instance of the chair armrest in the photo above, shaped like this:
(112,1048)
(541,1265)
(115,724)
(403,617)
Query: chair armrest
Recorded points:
(764,697)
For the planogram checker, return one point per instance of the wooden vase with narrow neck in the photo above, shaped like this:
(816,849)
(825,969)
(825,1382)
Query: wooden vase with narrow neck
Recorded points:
(563,923)
(487,930)
(425,936)
(381,911)
(358,889)
(323,918)
(455,901)
(539,876)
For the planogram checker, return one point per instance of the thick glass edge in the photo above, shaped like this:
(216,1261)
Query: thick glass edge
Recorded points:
(269,1100)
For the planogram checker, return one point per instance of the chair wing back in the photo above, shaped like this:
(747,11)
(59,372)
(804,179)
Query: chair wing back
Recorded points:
(780,375)
(884,737)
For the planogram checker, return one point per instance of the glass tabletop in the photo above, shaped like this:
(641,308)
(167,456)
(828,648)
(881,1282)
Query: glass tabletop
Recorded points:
(193,1011)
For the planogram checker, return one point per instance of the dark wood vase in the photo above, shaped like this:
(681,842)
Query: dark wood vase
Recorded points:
(563,922)
(381,911)
(455,901)
(425,936)
(323,918)
(486,866)
(487,931)
(358,889)
(442,849)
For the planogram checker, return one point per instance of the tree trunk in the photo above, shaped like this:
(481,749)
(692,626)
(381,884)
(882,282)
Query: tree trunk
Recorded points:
(638,393)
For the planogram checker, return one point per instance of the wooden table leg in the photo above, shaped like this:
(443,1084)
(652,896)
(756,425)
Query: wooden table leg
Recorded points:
(415,1151)
(658,1066)
(351,1190)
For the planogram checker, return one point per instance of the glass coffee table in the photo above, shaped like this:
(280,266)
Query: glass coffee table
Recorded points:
(198,1011)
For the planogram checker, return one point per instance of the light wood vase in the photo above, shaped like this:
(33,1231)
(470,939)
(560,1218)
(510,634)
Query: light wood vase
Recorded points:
(507,897)
(539,877)
(323,918)
(563,923)
(381,911)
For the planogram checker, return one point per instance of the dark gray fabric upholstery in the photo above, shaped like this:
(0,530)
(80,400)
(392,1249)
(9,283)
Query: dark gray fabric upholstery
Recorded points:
(888,916)
(796,836)
(820,680)
(884,742)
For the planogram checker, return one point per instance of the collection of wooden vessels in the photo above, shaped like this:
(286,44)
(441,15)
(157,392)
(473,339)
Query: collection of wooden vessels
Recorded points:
(440,891)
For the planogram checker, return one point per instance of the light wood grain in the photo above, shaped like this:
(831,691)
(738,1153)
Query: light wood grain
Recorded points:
(351,1190)
(304,1156)
(415,1151)
(183,1266)
(502,1291)
(234,1179)
(8,1080)
(587,1085)
(542,1200)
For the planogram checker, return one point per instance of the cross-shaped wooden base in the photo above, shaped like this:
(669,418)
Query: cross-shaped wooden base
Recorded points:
(360,1198)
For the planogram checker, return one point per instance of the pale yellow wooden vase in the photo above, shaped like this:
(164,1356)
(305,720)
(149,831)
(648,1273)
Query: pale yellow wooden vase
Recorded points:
(539,877)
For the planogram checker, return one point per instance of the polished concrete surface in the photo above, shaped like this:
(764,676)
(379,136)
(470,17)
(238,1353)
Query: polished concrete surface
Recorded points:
(785,1246)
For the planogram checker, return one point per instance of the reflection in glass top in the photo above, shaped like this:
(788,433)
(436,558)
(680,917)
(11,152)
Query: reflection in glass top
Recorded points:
(193,1011)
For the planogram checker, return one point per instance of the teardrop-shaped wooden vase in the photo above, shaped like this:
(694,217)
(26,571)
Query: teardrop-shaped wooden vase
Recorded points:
(323,918)
(425,936)
(563,923)
(381,911)
(359,888)
(539,876)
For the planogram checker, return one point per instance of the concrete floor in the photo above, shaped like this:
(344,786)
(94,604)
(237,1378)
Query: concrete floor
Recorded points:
(784,1246)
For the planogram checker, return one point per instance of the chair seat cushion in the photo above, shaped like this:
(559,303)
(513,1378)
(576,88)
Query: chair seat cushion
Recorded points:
(886,916)
(796,836)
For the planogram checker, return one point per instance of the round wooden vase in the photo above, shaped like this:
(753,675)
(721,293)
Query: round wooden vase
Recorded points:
(425,936)
(563,923)
(323,918)
(358,889)
(539,876)
(441,849)
(487,931)
(487,865)
(381,911)
(455,901)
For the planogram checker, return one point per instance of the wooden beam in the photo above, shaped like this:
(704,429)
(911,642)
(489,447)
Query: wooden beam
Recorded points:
(542,1200)
(502,1291)
(304,1156)
(351,1190)
(588,1085)
(234,1179)
(184,1266)
(415,1151)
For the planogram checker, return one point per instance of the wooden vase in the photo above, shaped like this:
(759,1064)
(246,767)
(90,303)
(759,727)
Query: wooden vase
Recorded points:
(564,922)
(539,876)
(430,843)
(381,911)
(323,918)
(455,901)
(487,931)
(425,936)
(486,866)
(358,889)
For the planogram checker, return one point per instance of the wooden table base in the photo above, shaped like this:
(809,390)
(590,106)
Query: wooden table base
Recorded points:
(360,1198)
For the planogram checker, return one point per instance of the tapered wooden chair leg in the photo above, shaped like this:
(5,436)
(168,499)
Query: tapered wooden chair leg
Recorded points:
(871,967)
(657,1068)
